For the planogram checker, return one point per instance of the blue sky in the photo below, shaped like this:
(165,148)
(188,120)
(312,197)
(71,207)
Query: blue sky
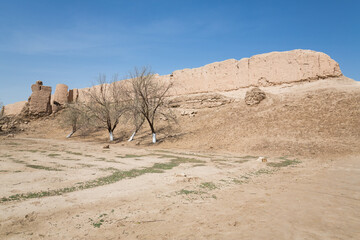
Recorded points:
(71,42)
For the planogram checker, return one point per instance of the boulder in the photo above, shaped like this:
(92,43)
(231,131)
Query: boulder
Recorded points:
(39,101)
(254,96)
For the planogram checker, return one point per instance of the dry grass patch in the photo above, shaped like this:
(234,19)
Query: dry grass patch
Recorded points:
(42,167)
(114,177)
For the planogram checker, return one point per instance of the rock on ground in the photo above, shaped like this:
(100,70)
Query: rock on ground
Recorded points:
(254,96)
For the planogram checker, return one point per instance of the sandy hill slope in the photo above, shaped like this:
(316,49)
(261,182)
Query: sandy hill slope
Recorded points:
(314,119)
(317,118)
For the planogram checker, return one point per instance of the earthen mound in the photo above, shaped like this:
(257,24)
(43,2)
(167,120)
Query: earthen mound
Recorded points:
(254,96)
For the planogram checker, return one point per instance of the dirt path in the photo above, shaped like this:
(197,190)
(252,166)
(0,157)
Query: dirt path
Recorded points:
(172,194)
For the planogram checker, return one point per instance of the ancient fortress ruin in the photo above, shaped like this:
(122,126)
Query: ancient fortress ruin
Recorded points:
(258,71)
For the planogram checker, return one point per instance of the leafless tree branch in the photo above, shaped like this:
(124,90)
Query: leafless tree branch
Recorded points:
(105,103)
(147,96)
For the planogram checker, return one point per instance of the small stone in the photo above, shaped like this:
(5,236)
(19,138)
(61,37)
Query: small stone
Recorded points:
(190,113)
(181,175)
(106,146)
(262,159)
(10,135)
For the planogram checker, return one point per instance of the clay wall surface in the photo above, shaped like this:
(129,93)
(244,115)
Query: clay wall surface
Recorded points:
(39,101)
(14,108)
(260,70)
(61,94)
(60,97)
(267,69)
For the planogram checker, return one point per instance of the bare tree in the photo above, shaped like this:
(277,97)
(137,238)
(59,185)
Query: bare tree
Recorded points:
(147,96)
(105,104)
(135,116)
(75,116)
(137,119)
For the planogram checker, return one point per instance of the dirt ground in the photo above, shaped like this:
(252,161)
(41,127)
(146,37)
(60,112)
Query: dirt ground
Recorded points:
(203,179)
(69,189)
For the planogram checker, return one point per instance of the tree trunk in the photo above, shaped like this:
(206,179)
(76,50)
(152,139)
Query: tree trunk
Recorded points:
(154,137)
(111,136)
(132,136)
(69,136)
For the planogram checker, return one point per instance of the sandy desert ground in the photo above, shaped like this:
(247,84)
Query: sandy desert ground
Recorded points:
(57,189)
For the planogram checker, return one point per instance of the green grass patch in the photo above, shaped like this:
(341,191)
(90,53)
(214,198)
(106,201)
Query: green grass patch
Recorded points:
(100,220)
(53,155)
(109,169)
(237,181)
(12,144)
(284,163)
(184,154)
(98,224)
(32,151)
(248,157)
(241,161)
(18,161)
(85,165)
(105,160)
(187,192)
(42,167)
(208,185)
(72,159)
(263,171)
(112,161)
(164,156)
(114,177)
(199,165)
(218,160)
(74,153)
(130,156)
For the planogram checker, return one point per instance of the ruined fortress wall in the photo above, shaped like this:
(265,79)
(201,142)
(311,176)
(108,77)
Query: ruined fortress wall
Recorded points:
(260,70)
(267,69)
(14,108)
(39,101)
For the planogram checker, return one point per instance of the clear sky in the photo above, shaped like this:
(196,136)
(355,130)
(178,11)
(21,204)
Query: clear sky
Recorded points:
(72,41)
